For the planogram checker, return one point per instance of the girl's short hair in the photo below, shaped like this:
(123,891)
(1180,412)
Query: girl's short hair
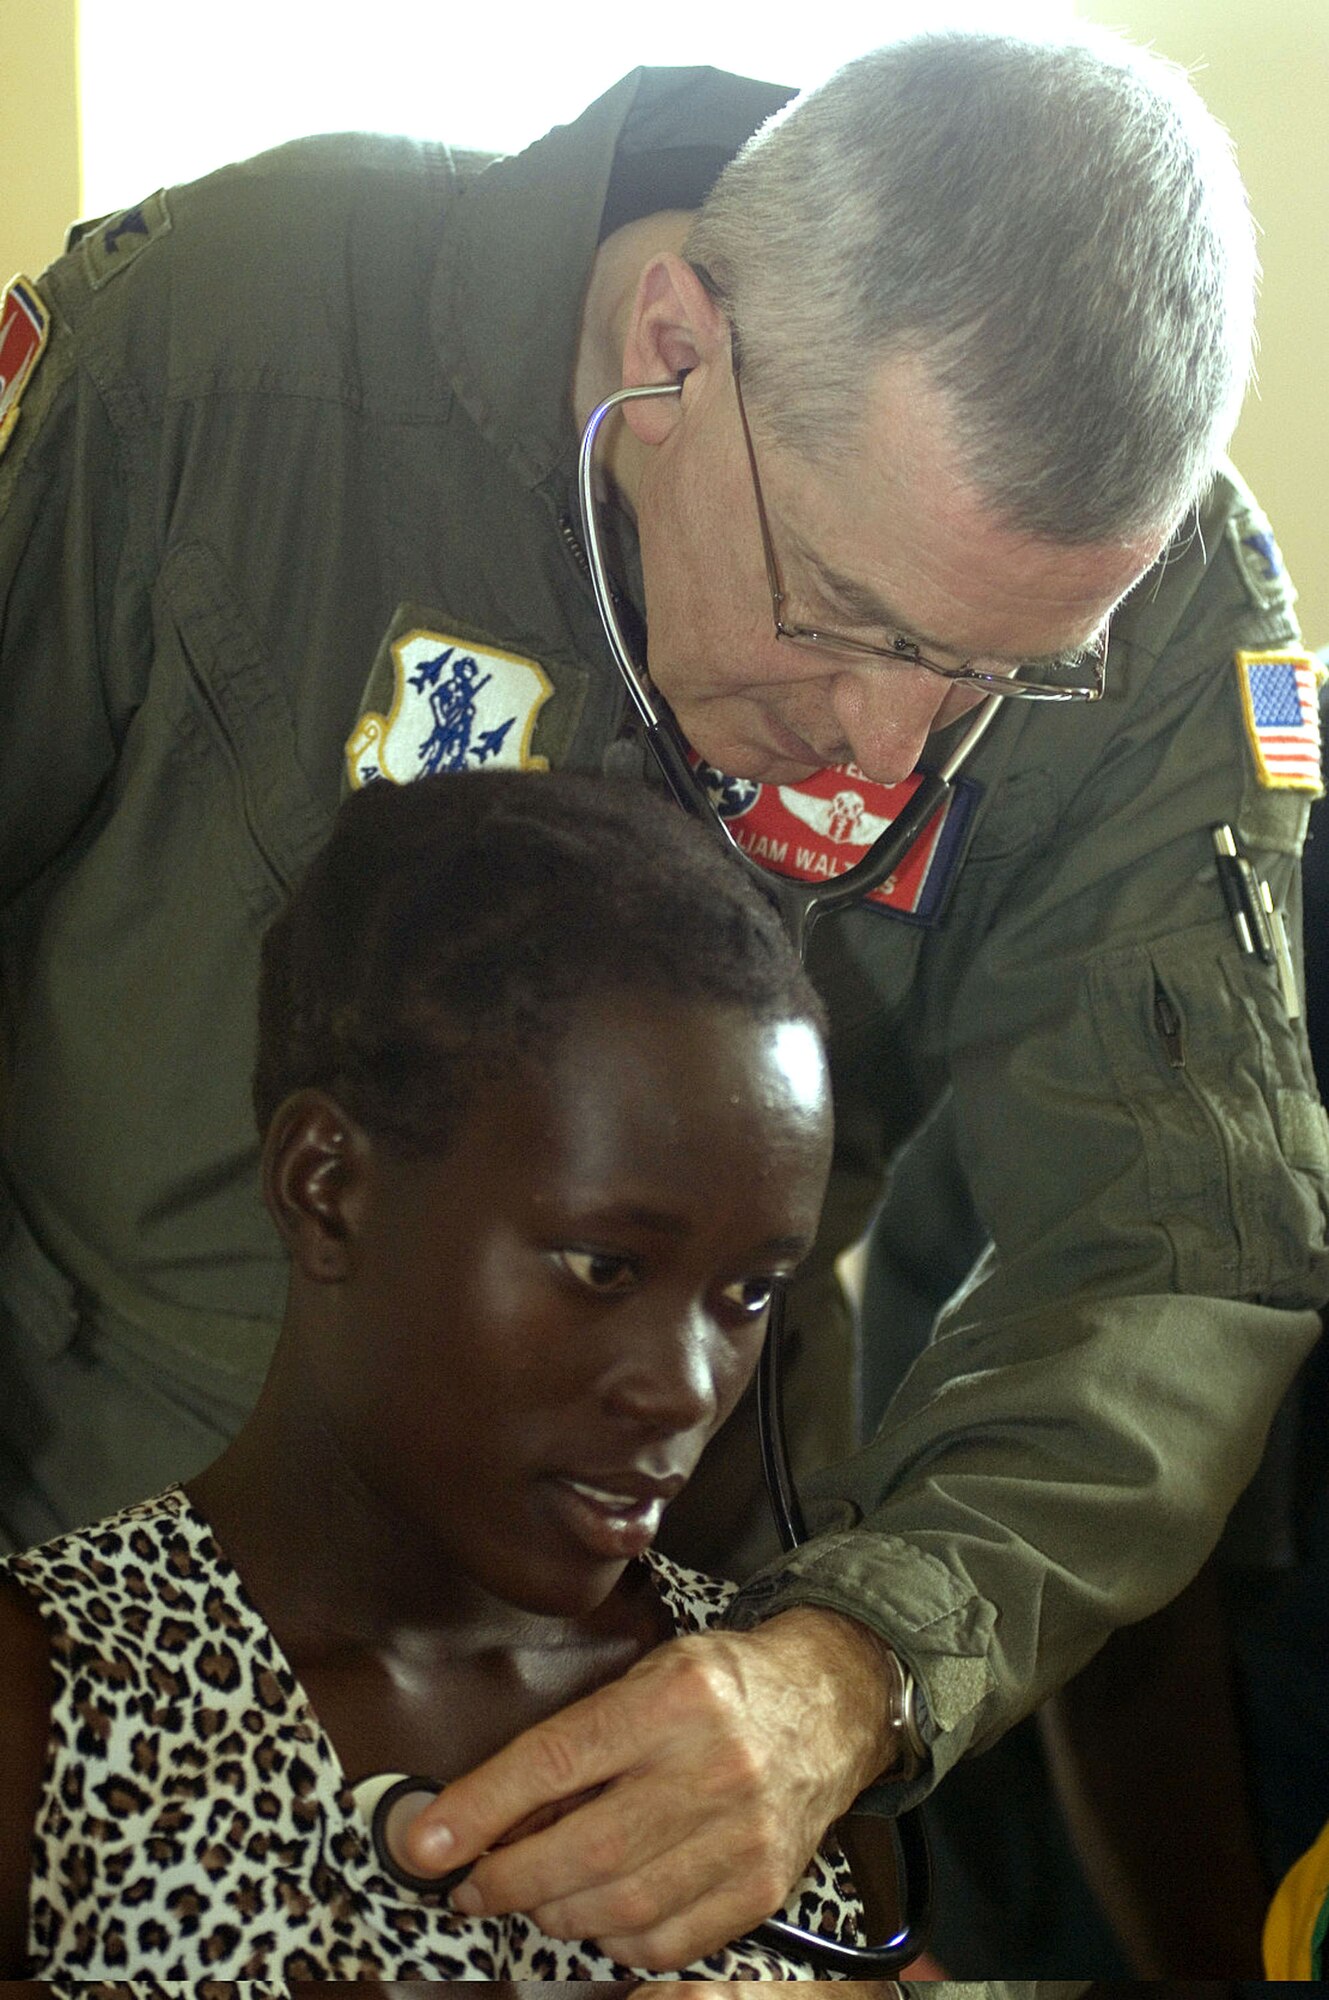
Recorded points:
(450,927)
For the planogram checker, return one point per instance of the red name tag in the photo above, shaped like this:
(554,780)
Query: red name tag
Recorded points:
(822,826)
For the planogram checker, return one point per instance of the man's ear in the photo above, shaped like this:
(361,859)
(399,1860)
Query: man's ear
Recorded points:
(315,1170)
(674,328)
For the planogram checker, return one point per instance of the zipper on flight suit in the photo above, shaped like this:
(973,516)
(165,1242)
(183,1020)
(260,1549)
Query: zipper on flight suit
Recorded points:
(1168,1023)
(572,542)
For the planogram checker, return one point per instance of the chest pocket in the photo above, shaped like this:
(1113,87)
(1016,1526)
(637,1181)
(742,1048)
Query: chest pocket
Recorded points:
(240,711)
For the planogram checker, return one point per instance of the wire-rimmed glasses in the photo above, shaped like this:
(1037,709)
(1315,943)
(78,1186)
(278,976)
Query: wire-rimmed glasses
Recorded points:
(1079,677)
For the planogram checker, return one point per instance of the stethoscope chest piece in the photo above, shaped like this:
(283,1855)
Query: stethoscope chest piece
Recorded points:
(388,1802)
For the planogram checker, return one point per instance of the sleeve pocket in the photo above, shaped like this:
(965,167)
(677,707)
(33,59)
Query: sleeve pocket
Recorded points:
(1235,1140)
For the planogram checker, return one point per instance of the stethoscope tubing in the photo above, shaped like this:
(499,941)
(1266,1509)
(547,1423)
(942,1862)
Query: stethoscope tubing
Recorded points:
(800,904)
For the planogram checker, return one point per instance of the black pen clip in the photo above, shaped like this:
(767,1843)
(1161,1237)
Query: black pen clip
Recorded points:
(1241,892)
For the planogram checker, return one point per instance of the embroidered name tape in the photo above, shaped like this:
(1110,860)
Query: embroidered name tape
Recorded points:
(454,708)
(1280,704)
(824,825)
(24,328)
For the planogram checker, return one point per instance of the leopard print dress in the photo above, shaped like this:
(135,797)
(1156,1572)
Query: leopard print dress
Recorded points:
(195,1823)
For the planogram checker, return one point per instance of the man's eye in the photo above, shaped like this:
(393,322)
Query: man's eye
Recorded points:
(598,1270)
(750,1295)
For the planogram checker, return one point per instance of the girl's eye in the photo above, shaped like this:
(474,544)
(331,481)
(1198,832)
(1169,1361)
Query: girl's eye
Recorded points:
(750,1295)
(598,1270)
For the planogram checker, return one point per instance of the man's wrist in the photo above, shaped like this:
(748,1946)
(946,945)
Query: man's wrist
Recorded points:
(903,1747)
(875,1686)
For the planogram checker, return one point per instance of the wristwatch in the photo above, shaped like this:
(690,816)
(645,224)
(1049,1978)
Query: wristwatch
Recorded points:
(903,1702)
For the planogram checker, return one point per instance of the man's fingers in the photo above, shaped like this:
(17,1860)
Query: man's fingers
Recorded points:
(547,1771)
(670,1913)
(549,1815)
(614,1873)
(685,1936)
(574,1853)
(559,1761)
(722,1758)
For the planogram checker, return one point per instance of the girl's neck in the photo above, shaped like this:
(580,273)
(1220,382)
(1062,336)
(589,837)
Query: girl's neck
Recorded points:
(408,1667)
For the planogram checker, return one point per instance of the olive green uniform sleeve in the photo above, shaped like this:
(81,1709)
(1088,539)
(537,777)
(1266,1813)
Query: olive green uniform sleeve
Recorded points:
(1138,1118)
(74,625)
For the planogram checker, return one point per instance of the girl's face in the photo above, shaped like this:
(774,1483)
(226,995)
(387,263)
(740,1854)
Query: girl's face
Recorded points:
(537,1333)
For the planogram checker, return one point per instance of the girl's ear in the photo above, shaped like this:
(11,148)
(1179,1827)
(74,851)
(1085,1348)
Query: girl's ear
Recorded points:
(315,1172)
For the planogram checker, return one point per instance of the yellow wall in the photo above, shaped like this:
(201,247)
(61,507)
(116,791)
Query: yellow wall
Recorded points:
(39,174)
(1265,72)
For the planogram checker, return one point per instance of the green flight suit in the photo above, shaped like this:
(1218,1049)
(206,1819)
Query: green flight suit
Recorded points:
(318,403)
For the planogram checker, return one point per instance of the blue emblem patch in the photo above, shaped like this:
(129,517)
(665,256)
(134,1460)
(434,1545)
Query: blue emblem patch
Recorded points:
(455,707)
(1259,560)
(1267,552)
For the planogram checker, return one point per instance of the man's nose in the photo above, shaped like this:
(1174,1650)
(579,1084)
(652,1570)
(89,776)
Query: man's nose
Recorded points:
(884,715)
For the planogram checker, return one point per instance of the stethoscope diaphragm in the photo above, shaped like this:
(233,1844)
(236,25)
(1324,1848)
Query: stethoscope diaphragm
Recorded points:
(388,1802)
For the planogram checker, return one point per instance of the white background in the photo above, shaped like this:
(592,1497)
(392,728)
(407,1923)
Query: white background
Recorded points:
(173,88)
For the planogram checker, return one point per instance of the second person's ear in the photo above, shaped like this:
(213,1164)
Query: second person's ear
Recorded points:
(315,1160)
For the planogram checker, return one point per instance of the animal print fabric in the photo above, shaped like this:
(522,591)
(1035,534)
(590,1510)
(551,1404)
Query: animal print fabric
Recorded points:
(196,1825)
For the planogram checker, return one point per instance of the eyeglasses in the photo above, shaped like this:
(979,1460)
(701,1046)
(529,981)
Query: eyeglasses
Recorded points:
(1080,677)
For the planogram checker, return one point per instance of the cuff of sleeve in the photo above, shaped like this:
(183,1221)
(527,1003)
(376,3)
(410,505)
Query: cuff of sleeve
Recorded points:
(940,1629)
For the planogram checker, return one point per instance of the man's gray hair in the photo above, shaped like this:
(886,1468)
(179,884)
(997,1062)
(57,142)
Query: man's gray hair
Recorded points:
(1058,228)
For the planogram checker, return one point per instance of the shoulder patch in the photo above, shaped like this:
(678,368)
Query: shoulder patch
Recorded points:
(454,707)
(25,326)
(821,827)
(1281,709)
(1260,560)
(110,246)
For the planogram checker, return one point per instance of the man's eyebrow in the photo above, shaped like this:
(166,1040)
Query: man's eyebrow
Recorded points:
(860,602)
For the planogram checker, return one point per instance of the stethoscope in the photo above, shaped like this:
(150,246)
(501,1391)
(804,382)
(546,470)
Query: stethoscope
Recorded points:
(390,1800)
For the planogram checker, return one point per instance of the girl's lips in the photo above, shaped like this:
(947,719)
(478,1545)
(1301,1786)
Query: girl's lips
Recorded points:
(610,1524)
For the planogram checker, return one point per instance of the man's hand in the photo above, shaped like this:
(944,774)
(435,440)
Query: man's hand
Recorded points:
(716,1765)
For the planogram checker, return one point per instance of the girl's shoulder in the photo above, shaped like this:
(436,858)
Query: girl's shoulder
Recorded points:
(108,1586)
(65,1607)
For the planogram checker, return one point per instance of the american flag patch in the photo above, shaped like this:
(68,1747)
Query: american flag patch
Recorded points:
(1280,700)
